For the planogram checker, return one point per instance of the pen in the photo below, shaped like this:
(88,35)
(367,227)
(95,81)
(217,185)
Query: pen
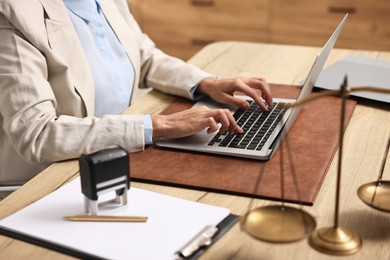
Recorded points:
(107,218)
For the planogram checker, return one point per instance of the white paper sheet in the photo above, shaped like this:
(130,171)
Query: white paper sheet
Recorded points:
(172,223)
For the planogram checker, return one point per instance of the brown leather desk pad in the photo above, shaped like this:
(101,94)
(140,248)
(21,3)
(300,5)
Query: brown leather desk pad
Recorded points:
(305,153)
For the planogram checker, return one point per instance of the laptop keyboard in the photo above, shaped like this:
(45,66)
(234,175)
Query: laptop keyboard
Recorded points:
(257,124)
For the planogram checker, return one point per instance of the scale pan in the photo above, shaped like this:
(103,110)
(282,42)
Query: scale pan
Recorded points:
(277,224)
(376,195)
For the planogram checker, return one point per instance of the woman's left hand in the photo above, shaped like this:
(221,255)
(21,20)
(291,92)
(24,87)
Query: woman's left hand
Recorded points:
(222,91)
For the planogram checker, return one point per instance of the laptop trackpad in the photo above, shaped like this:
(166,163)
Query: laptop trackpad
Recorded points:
(201,138)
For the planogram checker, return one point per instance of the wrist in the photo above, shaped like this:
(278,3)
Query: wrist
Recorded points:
(204,85)
(157,124)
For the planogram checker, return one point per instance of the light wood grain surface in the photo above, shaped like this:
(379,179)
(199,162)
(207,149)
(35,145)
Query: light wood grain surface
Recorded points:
(365,142)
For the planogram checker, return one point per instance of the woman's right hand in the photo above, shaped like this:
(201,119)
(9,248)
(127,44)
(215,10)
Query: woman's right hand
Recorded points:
(192,121)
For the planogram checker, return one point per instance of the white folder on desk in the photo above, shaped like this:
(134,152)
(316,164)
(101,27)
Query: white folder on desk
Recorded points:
(172,222)
(361,71)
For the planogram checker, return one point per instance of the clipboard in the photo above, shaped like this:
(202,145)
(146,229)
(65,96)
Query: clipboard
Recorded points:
(167,248)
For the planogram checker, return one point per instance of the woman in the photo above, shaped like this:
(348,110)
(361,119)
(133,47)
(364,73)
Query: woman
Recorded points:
(67,68)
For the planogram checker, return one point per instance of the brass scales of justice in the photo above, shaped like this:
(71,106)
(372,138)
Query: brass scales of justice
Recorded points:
(268,223)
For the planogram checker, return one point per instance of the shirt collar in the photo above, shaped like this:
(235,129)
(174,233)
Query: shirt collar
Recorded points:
(85,9)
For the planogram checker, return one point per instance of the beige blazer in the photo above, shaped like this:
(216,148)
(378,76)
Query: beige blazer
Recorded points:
(47,89)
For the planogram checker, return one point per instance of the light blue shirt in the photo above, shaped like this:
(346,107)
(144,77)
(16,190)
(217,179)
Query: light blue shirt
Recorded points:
(111,68)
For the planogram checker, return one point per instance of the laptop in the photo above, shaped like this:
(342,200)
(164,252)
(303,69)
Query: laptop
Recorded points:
(263,131)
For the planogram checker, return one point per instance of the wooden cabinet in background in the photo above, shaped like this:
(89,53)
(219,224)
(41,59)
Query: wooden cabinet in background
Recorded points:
(183,27)
(311,22)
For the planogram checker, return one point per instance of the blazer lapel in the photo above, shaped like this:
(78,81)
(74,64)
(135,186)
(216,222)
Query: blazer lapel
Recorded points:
(64,42)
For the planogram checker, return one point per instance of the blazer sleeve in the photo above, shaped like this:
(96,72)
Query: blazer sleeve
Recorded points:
(30,125)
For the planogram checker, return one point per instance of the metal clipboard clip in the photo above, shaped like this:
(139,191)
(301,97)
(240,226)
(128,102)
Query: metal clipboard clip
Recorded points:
(203,238)
(10,186)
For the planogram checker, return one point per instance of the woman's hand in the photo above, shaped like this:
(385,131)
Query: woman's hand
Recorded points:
(192,121)
(222,90)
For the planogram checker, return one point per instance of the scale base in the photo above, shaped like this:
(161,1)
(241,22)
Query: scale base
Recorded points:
(335,241)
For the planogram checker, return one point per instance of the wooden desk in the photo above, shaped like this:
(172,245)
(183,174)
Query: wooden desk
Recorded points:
(365,143)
